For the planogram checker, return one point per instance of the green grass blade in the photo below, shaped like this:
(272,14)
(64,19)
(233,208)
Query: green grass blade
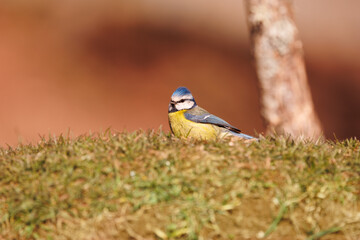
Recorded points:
(276,221)
(323,233)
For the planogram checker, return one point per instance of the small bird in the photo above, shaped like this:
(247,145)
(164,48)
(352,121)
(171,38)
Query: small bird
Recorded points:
(187,119)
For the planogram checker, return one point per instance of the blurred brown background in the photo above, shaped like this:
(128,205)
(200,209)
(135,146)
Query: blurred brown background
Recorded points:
(88,65)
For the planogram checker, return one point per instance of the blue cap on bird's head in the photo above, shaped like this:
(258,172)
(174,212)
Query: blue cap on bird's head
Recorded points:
(181,99)
(182,93)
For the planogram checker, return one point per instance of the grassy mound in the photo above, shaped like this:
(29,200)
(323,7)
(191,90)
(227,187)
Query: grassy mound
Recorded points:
(149,185)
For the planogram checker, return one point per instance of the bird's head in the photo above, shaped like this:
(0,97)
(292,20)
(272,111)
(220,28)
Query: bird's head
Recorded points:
(182,99)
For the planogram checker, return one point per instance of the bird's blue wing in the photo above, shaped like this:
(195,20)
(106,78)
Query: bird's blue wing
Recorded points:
(210,119)
(242,135)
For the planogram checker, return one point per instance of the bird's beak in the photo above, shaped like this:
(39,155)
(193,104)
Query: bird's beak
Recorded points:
(172,107)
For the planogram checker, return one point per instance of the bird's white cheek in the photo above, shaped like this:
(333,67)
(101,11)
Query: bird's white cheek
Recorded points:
(184,105)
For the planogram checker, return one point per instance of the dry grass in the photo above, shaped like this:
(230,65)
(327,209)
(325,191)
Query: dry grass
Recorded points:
(148,185)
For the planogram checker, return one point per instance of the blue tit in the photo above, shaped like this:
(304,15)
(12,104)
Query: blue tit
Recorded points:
(187,119)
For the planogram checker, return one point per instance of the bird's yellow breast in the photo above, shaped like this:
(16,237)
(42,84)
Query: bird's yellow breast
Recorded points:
(181,127)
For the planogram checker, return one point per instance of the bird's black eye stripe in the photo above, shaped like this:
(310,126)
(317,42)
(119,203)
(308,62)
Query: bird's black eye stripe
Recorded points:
(183,100)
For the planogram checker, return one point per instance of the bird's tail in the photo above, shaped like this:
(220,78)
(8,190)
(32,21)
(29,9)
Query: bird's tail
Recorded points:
(242,135)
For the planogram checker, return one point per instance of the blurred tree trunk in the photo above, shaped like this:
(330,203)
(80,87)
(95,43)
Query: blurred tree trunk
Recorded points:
(287,105)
